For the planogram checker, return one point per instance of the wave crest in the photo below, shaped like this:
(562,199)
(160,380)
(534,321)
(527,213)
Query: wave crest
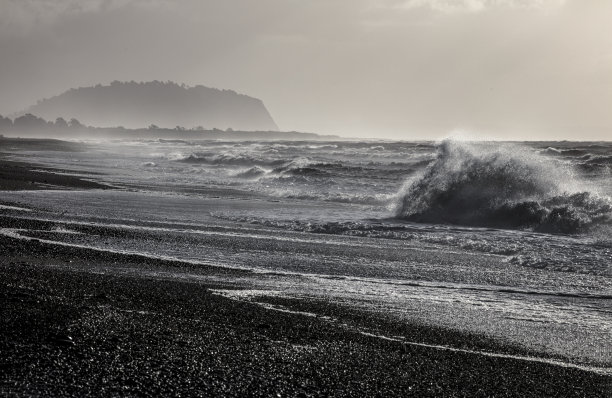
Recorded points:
(501,186)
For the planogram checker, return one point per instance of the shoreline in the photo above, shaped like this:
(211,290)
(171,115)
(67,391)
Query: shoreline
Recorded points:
(80,321)
(19,175)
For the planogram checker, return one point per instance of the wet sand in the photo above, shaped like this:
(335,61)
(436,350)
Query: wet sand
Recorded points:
(25,176)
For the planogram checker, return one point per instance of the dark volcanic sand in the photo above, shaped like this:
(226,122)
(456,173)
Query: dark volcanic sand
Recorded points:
(73,326)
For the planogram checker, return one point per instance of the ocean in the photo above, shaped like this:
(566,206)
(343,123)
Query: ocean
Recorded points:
(507,240)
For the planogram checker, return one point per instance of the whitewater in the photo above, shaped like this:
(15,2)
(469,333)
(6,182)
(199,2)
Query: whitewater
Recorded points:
(508,240)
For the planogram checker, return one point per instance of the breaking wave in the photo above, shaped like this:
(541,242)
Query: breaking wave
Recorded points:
(564,152)
(601,160)
(502,186)
(229,159)
(251,173)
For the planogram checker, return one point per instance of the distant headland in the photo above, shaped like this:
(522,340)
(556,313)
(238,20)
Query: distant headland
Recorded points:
(134,105)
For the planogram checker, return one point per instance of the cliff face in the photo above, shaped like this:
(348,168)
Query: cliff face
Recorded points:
(136,105)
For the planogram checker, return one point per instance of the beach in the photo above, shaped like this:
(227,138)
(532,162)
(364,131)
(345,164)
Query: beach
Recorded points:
(74,325)
(113,288)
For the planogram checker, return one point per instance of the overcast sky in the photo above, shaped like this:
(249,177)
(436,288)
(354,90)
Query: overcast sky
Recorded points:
(511,69)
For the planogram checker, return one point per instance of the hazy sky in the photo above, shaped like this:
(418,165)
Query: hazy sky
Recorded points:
(405,69)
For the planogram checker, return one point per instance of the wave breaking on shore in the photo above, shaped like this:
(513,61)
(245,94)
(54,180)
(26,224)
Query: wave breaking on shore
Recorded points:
(502,186)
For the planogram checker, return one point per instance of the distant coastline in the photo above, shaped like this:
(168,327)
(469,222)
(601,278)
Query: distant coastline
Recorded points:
(32,126)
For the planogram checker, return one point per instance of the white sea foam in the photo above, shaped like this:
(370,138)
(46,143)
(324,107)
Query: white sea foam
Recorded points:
(14,208)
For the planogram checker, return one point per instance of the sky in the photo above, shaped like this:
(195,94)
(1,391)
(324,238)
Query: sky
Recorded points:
(399,69)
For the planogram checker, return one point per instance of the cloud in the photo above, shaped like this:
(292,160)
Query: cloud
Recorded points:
(451,6)
(18,17)
(342,66)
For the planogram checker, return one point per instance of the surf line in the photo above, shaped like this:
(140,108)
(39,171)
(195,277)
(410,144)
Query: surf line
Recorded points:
(593,369)
(347,240)
(14,234)
(235,295)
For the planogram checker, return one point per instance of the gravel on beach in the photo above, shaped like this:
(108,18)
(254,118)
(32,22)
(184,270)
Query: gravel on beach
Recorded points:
(73,327)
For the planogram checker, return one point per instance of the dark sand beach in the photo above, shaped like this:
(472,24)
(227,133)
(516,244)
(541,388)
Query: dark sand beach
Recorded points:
(83,322)
(73,325)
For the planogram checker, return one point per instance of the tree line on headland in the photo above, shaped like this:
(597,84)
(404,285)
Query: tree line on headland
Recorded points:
(30,125)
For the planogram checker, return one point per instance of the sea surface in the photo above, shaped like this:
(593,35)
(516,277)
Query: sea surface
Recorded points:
(509,240)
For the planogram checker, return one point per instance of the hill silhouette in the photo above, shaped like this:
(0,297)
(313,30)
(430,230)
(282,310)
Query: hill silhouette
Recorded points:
(164,104)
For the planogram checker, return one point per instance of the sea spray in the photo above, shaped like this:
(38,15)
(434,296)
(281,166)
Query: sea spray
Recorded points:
(502,186)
